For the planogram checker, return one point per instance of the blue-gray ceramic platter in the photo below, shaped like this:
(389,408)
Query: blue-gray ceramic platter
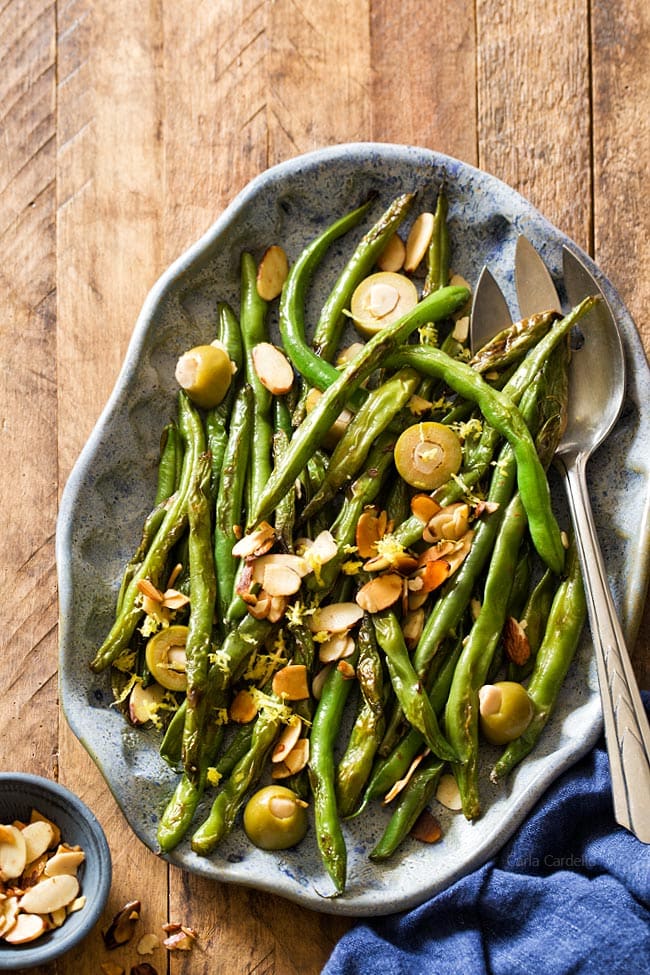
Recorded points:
(110,492)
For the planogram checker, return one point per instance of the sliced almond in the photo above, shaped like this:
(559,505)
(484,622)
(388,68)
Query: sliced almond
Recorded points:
(447,792)
(272,272)
(418,240)
(418,405)
(50,894)
(426,829)
(346,670)
(338,646)
(450,522)
(243,707)
(36,816)
(424,507)
(290,683)
(255,543)
(380,593)
(335,618)
(319,681)
(13,852)
(147,944)
(401,562)
(272,368)
(296,563)
(401,783)
(38,837)
(26,927)
(280,771)
(322,550)
(76,904)
(298,757)
(287,739)
(172,599)
(458,281)
(416,599)
(148,589)
(412,626)
(433,574)
(280,580)
(144,702)
(56,918)
(371,526)
(260,607)
(277,609)
(461,329)
(516,642)
(8,914)
(393,254)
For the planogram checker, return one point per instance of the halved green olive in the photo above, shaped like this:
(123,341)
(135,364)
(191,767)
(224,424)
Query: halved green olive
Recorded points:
(166,660)
(380,300)
(205,373)
(427,454)
(275,818)
(505,711)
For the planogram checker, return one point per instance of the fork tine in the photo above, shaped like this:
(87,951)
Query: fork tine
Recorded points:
(490,313)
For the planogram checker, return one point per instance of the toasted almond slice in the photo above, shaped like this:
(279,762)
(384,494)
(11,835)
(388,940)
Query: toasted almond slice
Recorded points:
(401,783)
(461,329)
(148,589)
(393,254)
(515,641)
(450,522)
(272,368)
(323,548)
(458,281)
(335,618)
(27,927)
(412,626)
(424,507)
(277,608)
(416,599)
(147,944)
(287,739)
(144,702)
(439,550)
(447,792)
(298,756)
(173,599)
(280,580)
(346,670)
(260,608)
(426,829)
(50,894)
(371,526)
(296,563)
(64,861)
(13,852)
(319,680)
(56,918)
(380,593)
(272,272)
(280,771)
(418,240)
(338,646)
(243,707)
(36,816)
(8,913)
(76,904)
(433,574)
(290,682)
(458,556)
(348,354)
(256,543)
(418,405)
(38,837)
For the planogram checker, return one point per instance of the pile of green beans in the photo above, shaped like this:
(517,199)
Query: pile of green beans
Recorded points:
(406,696)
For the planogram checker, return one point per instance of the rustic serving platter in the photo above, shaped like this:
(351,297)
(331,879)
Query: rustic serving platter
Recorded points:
(111,487)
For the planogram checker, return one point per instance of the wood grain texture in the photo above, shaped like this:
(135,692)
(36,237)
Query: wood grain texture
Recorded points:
(123,138)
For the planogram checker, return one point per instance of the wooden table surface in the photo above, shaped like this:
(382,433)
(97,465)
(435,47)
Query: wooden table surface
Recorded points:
(126,129)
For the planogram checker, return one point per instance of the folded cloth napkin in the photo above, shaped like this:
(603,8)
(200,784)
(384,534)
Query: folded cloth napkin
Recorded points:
(569,893)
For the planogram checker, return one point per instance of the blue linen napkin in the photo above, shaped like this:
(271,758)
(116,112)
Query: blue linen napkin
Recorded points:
(569,893)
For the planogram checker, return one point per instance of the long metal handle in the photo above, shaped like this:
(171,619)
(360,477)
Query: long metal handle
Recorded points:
(627,732)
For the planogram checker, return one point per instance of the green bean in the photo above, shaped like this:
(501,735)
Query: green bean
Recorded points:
(172,526)
(229,334)
(408,687)
(325,726)
(171,747)
(410,804)
(311,432)
(512,342)
(438,254)
(356,762)
(168,465)
(232,796)
(378,411)
(327,335)
(461,712)
(254,330)
(203,586)
(316,371)
(285,511)
(230,494)
(555,655)
(504,416)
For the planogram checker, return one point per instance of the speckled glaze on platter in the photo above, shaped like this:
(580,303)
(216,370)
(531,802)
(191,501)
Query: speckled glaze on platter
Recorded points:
(110,490)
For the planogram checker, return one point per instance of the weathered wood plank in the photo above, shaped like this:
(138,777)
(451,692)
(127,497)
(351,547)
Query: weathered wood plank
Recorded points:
(621,120)
(110,251)
(533,105)
(28,402)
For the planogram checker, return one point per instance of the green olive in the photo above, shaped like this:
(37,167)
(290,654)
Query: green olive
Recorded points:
(205,373)
(165,656)
(505,711)
(380,300)
(275,818)
(427,454)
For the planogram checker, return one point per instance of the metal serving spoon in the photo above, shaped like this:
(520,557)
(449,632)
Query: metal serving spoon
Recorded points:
(597,389)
